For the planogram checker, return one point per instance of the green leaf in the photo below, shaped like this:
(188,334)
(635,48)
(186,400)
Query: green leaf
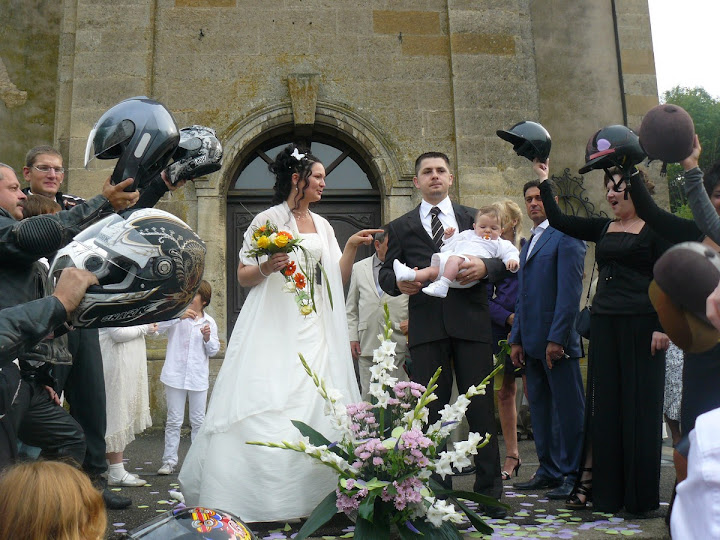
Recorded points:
(374,483)
(327,285)
(471,496)
(476,520)
(367,507)
(406,534)
(447,531)
(320,516)
(317,438)
(369,530)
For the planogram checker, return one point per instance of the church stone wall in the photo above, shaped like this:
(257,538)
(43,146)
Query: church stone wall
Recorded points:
(400,77)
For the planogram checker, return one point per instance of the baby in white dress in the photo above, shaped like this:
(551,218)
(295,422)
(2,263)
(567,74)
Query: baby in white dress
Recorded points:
(483,240)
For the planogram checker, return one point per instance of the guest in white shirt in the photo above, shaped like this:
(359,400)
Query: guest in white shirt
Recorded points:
(192,340)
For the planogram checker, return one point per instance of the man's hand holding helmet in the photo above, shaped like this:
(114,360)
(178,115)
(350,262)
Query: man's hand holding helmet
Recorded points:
(71,287)
(118,197)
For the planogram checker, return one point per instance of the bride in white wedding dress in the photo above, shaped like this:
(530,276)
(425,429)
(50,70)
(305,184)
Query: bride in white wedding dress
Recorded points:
(262,385)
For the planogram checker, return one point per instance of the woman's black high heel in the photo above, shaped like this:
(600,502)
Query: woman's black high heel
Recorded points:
(582,488)
(516,469)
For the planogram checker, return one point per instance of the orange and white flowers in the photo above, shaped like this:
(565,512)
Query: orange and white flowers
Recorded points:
(268,240)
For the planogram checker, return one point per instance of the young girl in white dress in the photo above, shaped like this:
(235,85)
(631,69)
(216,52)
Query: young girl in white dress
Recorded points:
(262,385)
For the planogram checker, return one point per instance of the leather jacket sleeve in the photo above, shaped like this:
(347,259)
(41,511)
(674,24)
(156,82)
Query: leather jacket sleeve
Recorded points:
(26,241)
(23,326)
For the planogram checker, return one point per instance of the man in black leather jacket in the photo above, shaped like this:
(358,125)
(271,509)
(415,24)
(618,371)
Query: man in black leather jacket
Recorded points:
(35,414)
(25,325)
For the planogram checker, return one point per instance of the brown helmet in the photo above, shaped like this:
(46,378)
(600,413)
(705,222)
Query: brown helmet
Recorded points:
(667,133)
(685,276)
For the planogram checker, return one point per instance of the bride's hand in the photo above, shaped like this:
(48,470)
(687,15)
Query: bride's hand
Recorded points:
(275,263)
(364,236)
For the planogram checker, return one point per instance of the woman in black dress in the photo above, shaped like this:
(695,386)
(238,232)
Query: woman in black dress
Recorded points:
(626,355)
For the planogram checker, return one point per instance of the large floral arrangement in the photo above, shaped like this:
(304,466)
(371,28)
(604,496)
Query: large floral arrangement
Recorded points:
(387,453)
(299,279)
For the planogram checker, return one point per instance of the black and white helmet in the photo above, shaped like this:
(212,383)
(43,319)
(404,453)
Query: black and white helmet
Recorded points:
(198,154)
(141,134)
(149,265)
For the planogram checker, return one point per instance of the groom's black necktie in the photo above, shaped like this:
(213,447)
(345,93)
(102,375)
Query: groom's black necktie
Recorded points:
(436,227)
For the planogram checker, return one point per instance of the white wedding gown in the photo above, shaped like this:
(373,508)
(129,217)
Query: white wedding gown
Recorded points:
(261,387)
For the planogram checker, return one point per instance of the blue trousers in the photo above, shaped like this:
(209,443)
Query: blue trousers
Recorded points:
(557,408)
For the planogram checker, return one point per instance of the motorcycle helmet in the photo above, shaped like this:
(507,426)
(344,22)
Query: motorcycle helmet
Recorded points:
(529,139)
(193,522)
(149,264)
(141,134)
(613,146)
(667,133)
(198,154)
(684,277)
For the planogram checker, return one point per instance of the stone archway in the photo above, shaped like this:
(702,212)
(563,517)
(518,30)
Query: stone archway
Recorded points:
(240,138)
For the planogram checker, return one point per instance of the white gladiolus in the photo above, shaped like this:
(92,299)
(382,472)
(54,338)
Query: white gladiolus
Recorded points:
(289,287)
(440,511)
(387,348)
(371,438)
(443,465)
(334,394)
(470,445)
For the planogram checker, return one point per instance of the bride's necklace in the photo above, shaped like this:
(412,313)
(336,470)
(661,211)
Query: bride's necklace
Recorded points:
(629,226)
(300,214)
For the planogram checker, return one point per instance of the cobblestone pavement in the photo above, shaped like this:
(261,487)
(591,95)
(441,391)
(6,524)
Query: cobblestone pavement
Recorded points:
(531,515)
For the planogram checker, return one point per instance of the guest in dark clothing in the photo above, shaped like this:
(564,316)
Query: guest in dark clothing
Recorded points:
(501,301)
(626,357)
(701,371)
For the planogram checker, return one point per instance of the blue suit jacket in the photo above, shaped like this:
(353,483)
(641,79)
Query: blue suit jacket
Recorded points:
(549,291)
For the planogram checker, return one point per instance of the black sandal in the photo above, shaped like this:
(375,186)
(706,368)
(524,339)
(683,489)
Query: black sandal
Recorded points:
(582,488)
(516,469)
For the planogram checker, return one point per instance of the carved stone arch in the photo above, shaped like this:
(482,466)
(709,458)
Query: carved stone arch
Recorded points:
(217,200)
(330,118)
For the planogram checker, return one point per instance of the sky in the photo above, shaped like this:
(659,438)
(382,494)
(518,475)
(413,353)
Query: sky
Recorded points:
(685,40)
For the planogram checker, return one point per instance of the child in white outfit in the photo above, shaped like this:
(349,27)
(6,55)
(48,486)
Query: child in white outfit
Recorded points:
(482,241)
(192,340)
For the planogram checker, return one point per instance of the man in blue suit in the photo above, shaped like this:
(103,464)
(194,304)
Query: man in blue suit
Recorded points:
(544,340)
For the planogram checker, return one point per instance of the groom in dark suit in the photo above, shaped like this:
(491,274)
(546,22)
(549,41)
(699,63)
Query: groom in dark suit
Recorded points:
(453,333)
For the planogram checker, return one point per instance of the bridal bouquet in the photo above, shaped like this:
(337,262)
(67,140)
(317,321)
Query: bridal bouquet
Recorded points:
(268,240)
(387,453)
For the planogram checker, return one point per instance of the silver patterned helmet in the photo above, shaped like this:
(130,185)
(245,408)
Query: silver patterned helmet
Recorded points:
(149,264)
(198,154)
